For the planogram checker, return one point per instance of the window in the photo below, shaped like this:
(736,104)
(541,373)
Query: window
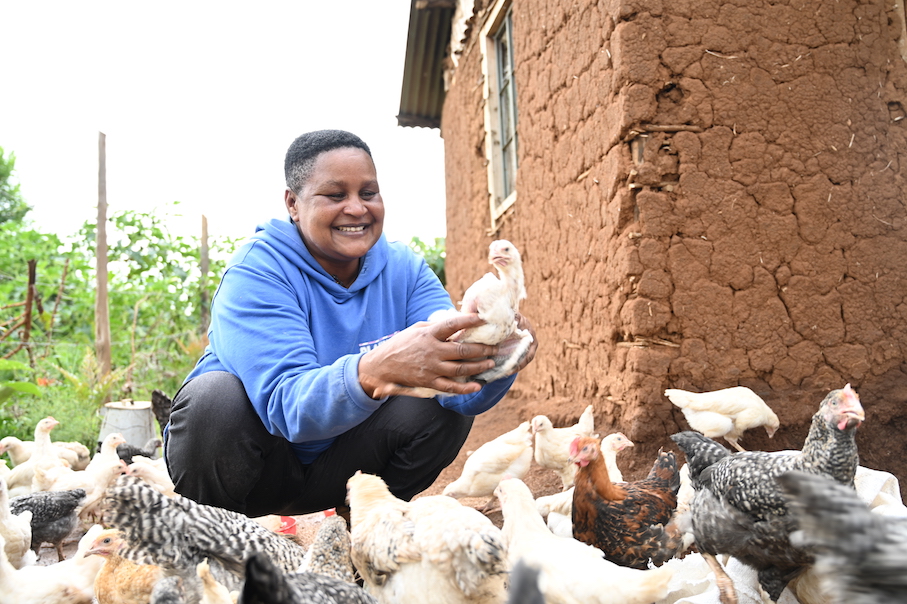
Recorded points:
(500,110)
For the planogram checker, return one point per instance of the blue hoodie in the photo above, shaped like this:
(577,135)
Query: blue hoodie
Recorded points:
(294,337)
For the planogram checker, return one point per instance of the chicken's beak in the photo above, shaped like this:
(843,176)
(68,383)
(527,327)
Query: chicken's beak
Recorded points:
(771,431)
(850,411)
(851,419)
(499,260)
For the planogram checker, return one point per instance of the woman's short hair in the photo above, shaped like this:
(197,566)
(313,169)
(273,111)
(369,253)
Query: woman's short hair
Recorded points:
(301,155)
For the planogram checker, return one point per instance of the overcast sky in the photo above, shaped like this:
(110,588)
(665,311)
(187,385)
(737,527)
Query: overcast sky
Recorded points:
(199,102)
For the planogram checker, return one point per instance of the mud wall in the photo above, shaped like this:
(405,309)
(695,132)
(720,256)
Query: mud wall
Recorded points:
(709,194)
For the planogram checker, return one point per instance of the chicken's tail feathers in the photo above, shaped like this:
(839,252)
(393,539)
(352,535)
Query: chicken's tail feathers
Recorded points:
(485,556)
(680,398)
(701,451)
(665,470)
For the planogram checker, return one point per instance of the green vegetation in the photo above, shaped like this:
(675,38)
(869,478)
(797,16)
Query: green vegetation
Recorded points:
(433,254)
(155,291)
(12,206)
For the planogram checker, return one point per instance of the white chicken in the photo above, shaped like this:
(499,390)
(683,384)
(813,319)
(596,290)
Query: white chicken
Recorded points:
(497,301)
(67,582)
(100,474)
(430,550)
(557,508)
(20,478)
(508,454)
(75,454)
(552,445)
(570,571)
(16,531)
(154,472)
(108,453)
(725,413)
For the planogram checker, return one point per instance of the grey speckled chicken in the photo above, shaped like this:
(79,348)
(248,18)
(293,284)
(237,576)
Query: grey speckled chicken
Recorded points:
(861,556)
(329,553)
(739,509)
(54,515)
(177,534)
(267,584)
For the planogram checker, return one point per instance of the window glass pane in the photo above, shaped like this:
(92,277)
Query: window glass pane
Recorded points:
(507,107)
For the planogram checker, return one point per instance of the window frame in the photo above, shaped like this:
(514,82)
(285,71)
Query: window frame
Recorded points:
(500,200)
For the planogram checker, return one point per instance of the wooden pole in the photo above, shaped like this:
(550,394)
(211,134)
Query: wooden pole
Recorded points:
(204,266)
(101,310)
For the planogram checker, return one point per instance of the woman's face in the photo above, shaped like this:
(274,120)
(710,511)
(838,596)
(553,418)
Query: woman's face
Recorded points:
(339,211)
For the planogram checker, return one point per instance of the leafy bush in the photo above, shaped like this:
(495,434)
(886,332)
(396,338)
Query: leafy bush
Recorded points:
(434,255)
(155,292)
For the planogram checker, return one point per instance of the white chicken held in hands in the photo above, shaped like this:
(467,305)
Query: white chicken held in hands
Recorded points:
(725,413)
(430,550)
(496,299)
(552,445)
(508,454)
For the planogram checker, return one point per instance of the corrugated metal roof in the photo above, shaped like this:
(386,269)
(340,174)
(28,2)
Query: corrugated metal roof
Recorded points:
(422,96)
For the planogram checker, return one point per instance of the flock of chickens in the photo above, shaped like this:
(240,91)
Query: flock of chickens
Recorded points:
(601,540)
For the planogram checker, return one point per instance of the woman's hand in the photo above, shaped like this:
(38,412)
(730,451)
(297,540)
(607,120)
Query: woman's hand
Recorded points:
(420,356)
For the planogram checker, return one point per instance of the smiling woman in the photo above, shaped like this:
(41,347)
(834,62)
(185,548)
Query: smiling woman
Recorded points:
(318,333)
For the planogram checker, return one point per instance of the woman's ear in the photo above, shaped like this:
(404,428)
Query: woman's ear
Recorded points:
(291,201)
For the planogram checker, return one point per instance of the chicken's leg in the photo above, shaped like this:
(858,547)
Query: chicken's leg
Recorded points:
(489,506)
(727,593)
(734,442)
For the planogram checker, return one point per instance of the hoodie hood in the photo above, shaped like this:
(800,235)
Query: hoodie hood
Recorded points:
(284,237)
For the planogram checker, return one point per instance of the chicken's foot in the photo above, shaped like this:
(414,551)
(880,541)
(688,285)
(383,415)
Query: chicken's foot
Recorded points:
(727,593)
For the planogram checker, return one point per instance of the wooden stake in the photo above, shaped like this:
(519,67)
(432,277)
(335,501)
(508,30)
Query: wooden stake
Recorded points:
(101,309)
(204,266)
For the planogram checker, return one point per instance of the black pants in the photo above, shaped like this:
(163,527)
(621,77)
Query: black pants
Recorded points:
(219,453)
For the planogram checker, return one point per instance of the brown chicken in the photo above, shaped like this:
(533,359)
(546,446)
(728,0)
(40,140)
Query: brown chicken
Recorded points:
(629,522)
(121,581)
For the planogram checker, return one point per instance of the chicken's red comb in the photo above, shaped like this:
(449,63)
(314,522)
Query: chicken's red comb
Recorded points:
(574,447)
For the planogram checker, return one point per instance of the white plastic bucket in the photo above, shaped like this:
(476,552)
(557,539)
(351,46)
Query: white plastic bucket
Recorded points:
(133,419)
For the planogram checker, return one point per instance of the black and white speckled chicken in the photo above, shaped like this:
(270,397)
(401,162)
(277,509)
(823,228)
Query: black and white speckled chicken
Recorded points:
(861,556)
(329,552)
(54,515)
(177,534)
(740,510)
(267,584)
